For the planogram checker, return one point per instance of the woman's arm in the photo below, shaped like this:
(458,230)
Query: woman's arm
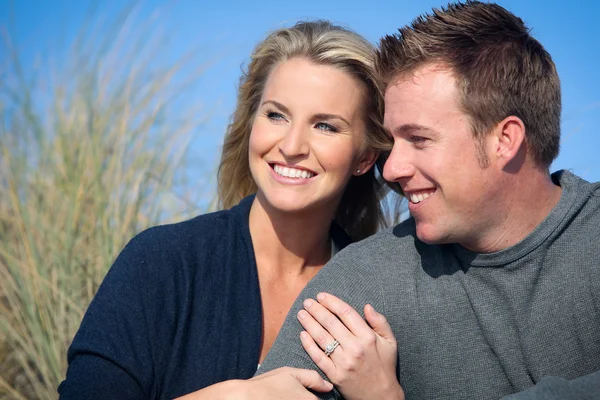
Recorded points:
(110,356)
(282,383)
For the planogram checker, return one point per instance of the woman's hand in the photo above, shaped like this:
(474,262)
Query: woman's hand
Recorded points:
(363,365)
(281,383)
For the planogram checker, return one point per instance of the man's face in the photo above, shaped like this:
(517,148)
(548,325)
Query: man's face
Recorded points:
(435,159)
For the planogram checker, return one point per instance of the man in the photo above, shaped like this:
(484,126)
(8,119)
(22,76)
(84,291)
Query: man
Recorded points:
(492,287)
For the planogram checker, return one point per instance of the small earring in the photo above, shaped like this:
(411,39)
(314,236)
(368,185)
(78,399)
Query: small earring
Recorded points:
(358,171)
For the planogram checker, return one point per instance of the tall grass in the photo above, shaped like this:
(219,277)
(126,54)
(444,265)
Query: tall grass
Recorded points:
(87,159)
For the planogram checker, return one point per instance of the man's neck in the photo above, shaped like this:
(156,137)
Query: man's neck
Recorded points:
(531,198)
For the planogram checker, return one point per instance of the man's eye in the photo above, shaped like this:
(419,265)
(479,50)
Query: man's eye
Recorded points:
(417,139)
(326,127)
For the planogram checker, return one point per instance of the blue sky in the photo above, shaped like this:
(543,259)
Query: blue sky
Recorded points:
(223,34)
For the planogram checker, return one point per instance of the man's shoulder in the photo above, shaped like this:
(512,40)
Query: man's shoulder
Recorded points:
(375,270)
(571,182)
(580,200)
(403,234)
(391,245)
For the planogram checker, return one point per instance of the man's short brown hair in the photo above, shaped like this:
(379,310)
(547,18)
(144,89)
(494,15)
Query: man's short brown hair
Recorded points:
(501,70)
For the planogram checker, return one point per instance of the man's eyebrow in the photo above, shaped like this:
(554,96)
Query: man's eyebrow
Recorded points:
(331,116)
(412,128)
(277,104)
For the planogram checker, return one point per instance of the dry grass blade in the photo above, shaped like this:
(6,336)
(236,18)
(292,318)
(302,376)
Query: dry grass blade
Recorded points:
(81,172)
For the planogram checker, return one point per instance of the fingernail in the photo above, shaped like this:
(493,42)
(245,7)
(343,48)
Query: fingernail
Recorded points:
(307,303)
(328,384)
(321,296)
(303,335)
(302,314)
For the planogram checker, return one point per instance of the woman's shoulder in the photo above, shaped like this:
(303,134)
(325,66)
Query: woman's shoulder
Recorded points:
(197,231)
(187,247)
(339,236)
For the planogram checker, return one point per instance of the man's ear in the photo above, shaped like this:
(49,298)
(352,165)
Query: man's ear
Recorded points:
(509,140)
(366,162)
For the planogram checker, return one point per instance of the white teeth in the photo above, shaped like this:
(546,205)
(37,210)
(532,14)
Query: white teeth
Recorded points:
(292,172)
(417,198)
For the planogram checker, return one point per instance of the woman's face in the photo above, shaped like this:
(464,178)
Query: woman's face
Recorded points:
(307,137)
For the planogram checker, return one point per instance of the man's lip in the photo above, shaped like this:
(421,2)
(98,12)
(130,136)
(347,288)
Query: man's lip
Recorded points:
(416,197)
(408,192)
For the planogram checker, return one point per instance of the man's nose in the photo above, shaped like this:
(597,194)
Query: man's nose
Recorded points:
(399,165)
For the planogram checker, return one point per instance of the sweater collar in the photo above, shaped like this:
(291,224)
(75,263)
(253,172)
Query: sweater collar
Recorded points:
(575,193)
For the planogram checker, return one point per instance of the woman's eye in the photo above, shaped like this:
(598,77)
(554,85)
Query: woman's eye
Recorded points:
(275,116)
(326,127)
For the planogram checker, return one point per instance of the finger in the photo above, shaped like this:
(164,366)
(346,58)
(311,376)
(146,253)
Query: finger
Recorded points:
(324,363)
(379,323)
(318,333)
(311,380)
(326,323)
(346,314)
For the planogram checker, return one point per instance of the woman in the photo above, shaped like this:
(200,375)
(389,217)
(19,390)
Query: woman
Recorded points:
(189,305)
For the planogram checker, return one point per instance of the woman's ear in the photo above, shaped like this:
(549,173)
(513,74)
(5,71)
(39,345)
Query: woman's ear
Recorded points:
(366,162)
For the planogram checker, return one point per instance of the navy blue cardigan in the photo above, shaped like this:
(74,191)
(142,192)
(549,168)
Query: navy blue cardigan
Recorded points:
(179,310)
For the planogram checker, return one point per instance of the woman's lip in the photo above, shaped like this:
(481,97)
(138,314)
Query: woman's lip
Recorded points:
(272,165)
(290,181)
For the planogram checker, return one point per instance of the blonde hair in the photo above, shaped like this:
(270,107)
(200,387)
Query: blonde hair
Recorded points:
(359,211)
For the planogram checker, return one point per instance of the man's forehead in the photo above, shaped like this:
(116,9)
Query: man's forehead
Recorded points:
(427,87)
(422,73)
(421,98)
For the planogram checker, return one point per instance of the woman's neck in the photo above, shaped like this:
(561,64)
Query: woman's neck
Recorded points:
(289,244)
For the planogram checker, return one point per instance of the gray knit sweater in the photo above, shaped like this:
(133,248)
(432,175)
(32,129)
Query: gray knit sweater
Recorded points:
(479,326)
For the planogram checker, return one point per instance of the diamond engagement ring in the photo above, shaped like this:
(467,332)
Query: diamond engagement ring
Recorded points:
(331,347)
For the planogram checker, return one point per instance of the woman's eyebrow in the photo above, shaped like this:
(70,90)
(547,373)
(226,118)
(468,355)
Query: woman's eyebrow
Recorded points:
(277,104)
(331,116)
